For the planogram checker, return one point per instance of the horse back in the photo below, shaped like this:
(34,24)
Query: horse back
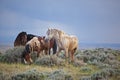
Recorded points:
(72,42)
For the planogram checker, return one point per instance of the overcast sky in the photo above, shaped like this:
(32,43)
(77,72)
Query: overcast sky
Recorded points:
(92,21)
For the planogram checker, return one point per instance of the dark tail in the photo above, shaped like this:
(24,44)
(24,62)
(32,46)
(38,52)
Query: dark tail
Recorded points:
(75,49)
(54,47)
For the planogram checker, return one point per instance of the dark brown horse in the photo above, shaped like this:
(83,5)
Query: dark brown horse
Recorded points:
(39,44)
(22,38)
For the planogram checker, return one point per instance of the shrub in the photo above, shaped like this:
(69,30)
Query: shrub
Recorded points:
(85,78)
(0,52)
(85,69)
(97,76)
(105,74)
(62,55)
(30,75)
(60,75)
(50,61)
(4,76)
(12,55)
(78,63)
(34,56)
(36,75)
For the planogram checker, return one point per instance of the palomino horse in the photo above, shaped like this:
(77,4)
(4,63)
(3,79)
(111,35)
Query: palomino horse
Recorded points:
(65,42)
(22,38)
(38,44)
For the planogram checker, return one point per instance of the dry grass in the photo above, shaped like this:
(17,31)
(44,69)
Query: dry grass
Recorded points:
(19,68)
(75,72)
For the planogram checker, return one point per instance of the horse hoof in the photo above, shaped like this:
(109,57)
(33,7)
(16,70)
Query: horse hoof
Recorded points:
(25,61)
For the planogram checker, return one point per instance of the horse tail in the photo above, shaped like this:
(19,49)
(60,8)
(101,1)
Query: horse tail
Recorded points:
(75,49)
(54,47)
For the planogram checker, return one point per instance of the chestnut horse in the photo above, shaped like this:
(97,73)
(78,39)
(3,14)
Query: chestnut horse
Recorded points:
(65,42)
(38,44)
(47,45)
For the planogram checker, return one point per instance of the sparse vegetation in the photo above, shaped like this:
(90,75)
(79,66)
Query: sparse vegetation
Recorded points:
(50,61)
(12,55)
(95,64)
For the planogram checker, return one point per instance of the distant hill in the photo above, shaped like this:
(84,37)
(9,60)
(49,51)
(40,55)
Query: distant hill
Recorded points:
(99,45)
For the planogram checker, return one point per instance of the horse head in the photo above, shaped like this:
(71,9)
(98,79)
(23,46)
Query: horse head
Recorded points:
(21,39)
(24,38)
(53,33)
(26,54)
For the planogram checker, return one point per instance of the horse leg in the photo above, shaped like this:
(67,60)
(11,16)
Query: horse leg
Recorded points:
(54,47)
(66,54)
(37,54)
(28,59)
(57,53)
(25,61)
(46,51)
(49,51)
(31,61)
(72,56)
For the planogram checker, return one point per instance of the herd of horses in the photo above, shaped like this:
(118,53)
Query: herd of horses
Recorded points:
(56,40)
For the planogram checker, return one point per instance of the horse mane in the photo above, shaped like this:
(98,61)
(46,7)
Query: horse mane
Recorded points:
(59,31)
(30,36)
(18,40)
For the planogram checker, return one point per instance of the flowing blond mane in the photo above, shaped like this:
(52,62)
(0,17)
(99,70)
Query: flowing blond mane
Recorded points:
(60,32)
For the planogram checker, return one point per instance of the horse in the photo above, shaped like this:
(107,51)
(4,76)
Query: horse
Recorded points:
(68,43)
(38,44)
(32,45)
(47,45)
(21,39)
